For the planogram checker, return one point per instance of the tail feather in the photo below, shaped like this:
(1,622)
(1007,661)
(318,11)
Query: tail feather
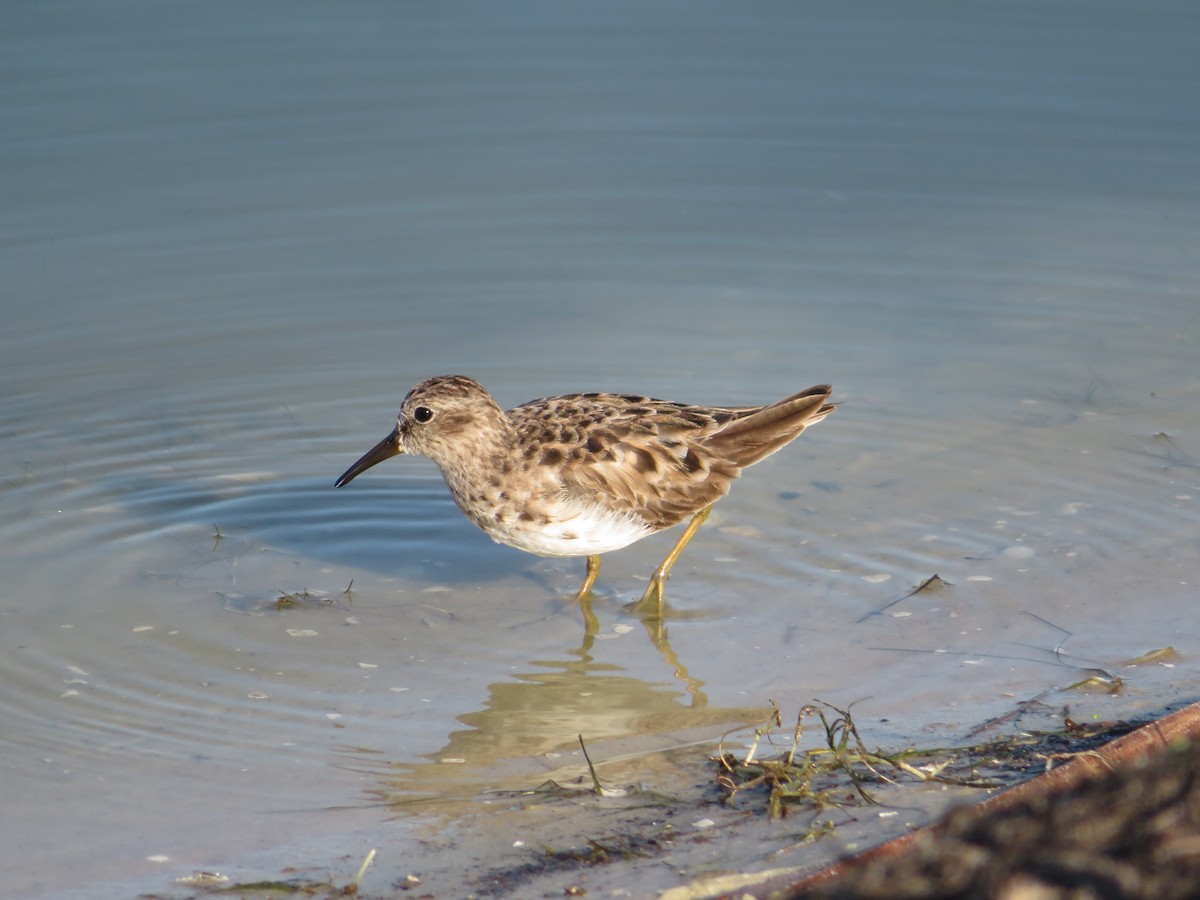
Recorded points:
(755,436)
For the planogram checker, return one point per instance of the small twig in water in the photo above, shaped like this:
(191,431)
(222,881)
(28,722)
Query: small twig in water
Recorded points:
(362,870)
(596,785)
(933,581)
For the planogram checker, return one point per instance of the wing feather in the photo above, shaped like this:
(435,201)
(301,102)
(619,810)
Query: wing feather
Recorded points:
(660,461)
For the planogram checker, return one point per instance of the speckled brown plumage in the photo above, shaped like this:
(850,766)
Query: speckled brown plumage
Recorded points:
(584,474)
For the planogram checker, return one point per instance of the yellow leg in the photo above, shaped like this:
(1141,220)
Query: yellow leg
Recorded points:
(591,627)
(593,570)
(658,581)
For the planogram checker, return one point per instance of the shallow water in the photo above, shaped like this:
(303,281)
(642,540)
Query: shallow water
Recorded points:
(233,237)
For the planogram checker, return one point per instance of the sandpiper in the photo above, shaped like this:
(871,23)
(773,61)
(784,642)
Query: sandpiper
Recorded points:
(586,474)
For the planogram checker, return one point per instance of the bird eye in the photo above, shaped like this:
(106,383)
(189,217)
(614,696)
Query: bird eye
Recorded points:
(422,414)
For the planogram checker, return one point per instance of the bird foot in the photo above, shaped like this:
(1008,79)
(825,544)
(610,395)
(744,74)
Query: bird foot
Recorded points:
(652,602)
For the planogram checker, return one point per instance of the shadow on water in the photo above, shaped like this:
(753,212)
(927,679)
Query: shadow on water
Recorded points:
(409,528)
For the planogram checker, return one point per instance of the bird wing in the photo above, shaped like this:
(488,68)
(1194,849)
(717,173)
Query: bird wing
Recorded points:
(656,460)
(644,457)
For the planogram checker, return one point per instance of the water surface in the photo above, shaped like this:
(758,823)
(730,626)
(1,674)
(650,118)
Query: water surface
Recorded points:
(234,235)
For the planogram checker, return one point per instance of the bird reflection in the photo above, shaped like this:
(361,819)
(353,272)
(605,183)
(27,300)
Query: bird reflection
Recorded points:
(532,721)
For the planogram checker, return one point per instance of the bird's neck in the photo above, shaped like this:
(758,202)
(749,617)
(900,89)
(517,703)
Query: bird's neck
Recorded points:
(478,458)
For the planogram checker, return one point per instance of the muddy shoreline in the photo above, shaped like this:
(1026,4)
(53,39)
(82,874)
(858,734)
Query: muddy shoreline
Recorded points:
(663,826)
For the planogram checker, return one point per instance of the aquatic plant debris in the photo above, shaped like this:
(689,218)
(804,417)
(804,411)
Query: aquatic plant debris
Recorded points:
(933,582)
(811,777)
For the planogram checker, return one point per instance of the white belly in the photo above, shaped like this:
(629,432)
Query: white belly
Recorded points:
(576,530)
